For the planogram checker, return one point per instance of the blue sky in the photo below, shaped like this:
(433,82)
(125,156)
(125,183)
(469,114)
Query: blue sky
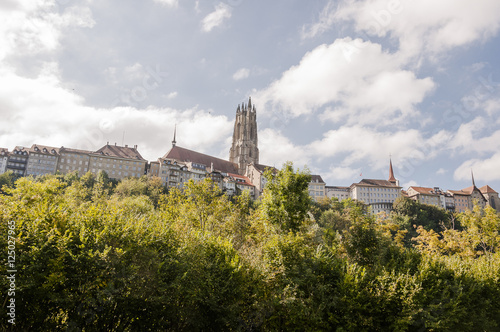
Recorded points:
(339,86)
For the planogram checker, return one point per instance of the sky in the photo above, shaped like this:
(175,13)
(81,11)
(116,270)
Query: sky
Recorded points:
(340,86)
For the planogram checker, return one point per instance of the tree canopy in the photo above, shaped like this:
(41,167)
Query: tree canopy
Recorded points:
(93,255)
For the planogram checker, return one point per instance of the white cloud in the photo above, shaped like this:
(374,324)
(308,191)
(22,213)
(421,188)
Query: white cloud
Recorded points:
(364,82)
(39,110)
(361,144)
(32,27)
(409,184)
(275,149)
(484,170)
(241,74)
(340,173)
(424,26)
(216,18)
(169,3)
(472,137)
(172,95)
(441,171)
(325,21)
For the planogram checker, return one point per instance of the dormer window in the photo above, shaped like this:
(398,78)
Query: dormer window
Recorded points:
(36,148)
(44,150)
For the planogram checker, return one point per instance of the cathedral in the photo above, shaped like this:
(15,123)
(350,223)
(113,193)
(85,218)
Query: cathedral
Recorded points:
(244,149)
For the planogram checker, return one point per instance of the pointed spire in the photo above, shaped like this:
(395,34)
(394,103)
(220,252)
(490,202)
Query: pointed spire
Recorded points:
(250,103)
(175,132)
(473,182)
(238,109)
(391,172)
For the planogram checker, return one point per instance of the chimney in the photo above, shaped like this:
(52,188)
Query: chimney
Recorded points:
(135,146)
(126,145)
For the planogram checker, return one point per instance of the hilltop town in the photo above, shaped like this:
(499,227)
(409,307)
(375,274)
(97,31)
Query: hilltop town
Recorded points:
(241,172)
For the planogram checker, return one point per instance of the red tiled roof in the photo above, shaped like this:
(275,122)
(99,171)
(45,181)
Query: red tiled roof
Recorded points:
(185,155)
(468,190)
(246,181)
(458,192)
(487,190)
(424,190)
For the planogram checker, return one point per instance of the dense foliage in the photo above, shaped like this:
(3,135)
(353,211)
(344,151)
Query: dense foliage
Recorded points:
(93,255)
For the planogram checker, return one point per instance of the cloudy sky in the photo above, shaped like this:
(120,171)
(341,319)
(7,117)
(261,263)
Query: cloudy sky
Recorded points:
(339,86)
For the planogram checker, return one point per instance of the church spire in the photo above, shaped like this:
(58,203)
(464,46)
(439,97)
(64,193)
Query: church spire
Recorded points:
(175,131)
(391,172)
(473,182)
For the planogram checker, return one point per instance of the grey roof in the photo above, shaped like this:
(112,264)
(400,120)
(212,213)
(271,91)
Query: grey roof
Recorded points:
(376,183)
(120,152)
(317,179)
(44,149)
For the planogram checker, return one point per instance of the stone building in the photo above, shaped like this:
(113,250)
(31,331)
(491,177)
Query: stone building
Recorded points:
(465,199)
(118,162)
(424,195)
(42,160)
(17,161)
(379,195)
(317,187)
(244,149)
(71,160)
(338,192)
(255,173)
(491,197)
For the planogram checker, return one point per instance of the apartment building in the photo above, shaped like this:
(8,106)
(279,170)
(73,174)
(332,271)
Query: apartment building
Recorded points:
(338,192)
(42,160)
(317,187)
(18,160)
(118,162)
(425,195)
(71,160)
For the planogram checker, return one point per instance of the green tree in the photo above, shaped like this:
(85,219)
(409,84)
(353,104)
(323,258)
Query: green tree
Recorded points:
(7,179)
(286,199)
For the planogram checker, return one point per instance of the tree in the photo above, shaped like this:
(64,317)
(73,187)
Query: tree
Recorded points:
(286,199)
(7,179)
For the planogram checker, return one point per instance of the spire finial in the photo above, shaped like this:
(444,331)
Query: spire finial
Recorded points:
(473,182)
(250,103)
(175,132)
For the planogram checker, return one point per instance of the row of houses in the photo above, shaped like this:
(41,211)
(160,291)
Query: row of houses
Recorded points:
(179,165)
(119,162)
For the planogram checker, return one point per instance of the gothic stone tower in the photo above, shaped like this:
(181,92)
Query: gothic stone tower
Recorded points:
(244,150)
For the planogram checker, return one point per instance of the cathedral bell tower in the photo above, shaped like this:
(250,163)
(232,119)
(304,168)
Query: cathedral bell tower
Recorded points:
(244,149)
